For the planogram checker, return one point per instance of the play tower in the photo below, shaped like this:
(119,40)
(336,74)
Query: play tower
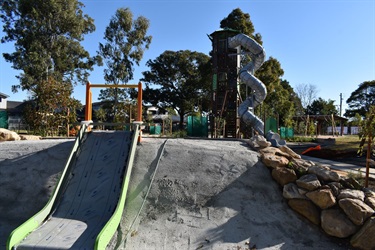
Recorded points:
(225,96)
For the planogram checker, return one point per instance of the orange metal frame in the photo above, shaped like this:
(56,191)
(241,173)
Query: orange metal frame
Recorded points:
(88,109)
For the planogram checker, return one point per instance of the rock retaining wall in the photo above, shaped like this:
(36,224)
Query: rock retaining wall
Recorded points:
(338,204)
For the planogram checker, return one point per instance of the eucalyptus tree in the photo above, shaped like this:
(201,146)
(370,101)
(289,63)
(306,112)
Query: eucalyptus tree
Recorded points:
(47,36)
(126,40)
(47,51)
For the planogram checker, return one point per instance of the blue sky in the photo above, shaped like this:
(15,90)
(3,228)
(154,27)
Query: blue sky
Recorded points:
(327,43)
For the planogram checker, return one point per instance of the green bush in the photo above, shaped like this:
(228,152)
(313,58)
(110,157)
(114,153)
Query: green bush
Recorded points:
(179,134)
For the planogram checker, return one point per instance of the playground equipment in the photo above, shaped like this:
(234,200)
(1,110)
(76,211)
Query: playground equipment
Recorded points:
(246,75)
(86,206)
(227,104)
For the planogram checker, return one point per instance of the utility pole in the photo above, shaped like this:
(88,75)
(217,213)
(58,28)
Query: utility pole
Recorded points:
(340,103)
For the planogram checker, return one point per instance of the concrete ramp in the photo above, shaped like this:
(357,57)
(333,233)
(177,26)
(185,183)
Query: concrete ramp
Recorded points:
(89,197)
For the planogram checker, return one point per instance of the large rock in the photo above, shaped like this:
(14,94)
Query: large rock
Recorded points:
(335,223)
(291,191)
(275,151)
(7,135)
(323,198)
(309,182)
(364,238)
(335,187)
(370,201)
(307,209)
(259,141)
(274,161)
(30,137)
(290,152)
(370,198)
(284,175)
(356,210)
(300,166)
(324,173)
(353,194)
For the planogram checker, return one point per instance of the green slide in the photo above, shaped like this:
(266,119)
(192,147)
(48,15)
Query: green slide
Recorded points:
(86,206)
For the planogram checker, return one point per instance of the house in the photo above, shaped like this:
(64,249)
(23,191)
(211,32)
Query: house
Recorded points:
(15,118)
(3,111)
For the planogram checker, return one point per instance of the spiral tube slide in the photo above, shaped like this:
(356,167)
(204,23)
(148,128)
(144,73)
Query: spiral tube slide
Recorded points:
(246,75)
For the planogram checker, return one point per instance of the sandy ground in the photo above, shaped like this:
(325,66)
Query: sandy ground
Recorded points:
(203,194)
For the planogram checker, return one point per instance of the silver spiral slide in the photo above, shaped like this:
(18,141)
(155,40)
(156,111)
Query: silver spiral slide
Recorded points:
(246,75)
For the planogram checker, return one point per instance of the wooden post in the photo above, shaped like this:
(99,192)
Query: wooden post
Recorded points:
(87,108)
(140,109)
(368,156)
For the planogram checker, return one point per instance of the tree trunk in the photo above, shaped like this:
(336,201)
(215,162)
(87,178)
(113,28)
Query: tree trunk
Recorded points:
(181,124)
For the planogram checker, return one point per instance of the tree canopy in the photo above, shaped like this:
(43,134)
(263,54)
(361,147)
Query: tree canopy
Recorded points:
(361,99)
(240,21)
(47,36)
(322,107)
(126,40)
(178,80)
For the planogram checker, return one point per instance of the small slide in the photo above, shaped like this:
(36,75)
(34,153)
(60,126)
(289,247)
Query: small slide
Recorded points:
(86,206)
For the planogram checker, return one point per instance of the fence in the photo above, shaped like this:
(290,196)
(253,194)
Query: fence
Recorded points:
(286,133)
(197,126)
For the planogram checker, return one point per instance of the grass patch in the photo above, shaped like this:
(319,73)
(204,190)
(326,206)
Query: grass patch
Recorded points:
(301,139)
(346,143)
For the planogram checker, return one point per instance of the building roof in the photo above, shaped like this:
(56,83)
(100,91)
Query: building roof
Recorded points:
(2,95)
(15,107)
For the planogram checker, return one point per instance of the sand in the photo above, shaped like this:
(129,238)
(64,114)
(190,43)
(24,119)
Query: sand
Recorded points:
(204,194)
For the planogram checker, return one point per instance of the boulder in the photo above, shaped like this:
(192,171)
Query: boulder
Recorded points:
(291,191)
(30,137)
(364,239)
(284,175)
(7,135)
(323,198)
(353,194)
(309,182)
(307,209)
(274,151)
(259,141)
(324,173)
(290,152)
(273,161)
(335,223)
(356,210)
(369,193)
(335,187)
(370,201)
(300,166)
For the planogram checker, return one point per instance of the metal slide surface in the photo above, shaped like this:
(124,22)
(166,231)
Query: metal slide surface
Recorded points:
(90,197)
(246,75)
